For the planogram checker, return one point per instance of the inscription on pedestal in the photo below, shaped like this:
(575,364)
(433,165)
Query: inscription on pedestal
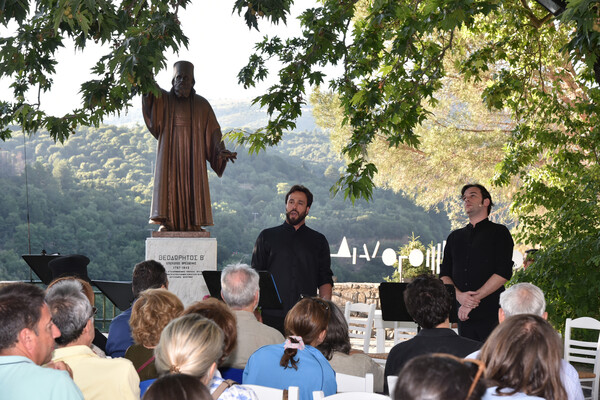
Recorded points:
(185,259)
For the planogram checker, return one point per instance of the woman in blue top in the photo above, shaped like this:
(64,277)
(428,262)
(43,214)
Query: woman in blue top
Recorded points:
(296,362)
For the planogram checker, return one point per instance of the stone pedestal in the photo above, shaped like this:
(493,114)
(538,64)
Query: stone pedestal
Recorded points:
(184,258)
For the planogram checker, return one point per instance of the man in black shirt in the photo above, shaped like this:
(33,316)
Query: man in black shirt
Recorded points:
(477,261)
(297,256)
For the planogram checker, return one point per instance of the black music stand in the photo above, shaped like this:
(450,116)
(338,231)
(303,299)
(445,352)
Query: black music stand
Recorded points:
(391,296)
(119,292)
(39,264)
(269,295)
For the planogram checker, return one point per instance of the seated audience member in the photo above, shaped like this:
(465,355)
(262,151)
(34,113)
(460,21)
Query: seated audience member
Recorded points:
(97,377)
(192,345)
(440,376)
(239,289)
(177,386)
(219,313)
(27,336)
(88,291)
(522,360)
(429,304)
(148,274)
(337,349)
(75,266)
(152,311)
(526,298)
(296,362)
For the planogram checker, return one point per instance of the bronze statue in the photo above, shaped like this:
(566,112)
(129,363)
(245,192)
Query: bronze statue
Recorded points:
(188,136)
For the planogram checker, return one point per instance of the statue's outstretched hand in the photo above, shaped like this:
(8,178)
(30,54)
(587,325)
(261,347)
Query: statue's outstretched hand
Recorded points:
(228,155)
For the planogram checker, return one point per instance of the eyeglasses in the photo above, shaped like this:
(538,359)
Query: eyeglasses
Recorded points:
(464,361)
(94,311)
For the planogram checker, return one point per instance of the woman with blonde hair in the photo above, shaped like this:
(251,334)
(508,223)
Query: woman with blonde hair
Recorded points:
(192,344)
(296,362)
(151,312)
(523,360)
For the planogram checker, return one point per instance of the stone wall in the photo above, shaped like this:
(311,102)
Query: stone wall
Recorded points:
(356,293)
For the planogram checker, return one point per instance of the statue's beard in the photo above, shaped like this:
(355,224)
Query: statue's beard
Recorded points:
(182,91)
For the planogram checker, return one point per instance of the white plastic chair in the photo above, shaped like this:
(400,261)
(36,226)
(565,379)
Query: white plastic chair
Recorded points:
(584,352)
(351,383)
(359,327)
(267,393)
(350,396)
(404,330)
(391,381)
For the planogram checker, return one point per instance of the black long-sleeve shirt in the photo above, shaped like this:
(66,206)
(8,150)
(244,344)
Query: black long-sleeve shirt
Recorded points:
(472,255)
(299,261)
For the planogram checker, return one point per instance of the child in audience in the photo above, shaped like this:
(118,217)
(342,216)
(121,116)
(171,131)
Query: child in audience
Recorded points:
(439,376)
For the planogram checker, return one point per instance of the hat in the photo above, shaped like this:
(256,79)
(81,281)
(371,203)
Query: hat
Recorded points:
(71,265)
(183,66)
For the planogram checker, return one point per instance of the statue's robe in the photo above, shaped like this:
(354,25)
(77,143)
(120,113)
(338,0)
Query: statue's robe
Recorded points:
(188,136)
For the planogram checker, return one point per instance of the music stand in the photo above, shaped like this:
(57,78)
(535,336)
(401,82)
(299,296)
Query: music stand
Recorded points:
(39,264)
(119,292)
(269,296)
(391,296)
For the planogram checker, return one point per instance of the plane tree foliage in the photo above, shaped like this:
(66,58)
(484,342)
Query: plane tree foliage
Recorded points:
(135,34)
(396,59)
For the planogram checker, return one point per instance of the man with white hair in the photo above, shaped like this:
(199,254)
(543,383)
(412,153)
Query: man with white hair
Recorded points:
(526,298)
(98,378)
(240,290)
(522,298)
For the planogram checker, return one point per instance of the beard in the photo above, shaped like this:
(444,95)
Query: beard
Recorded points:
(182,90)
(295,220)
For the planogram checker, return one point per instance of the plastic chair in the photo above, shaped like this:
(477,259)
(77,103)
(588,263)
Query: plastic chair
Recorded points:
(359,327)
(584,352)
(391,381)
(404,330)
(268,393)
(144,385)
(351,383)
(350,396)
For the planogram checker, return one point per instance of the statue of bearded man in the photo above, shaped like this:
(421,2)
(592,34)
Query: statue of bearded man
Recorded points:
(188,136)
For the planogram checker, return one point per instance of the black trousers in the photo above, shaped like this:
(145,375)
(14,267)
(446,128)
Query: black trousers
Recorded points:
(478,329)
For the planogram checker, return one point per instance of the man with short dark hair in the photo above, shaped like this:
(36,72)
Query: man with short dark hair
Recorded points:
(98,378)
(478,262)
(240,290)
(297,257)
(429,304)
(27,336)
(148,274)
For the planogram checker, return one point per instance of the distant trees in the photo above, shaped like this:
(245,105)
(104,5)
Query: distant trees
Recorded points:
(91,195)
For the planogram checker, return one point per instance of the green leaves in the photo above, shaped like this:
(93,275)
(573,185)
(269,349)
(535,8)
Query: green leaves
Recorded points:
(393,64)
(140,33)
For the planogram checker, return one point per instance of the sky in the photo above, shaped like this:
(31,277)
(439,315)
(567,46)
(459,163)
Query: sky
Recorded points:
(220,45)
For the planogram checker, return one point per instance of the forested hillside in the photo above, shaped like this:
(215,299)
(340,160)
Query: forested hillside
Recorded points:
(92,194)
